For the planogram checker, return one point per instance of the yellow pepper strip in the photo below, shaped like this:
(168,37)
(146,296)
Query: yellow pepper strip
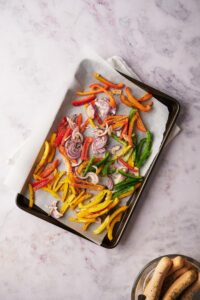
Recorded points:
(66,204)
(44,157)
(91,123)
(130,160)
(95,200)
(31,195)
(124,195)
(53,193)
(60,175)
(122,152)
(114,203)
(55,173)
(94,209)
(73,190)
(36,177)
(78,197)
(65,191)
(81,199)
(103,226)
(111,226)
(60,187)
(117,212)
(53,149)
(85,226)
(82,166)
(82,220)
(99,170)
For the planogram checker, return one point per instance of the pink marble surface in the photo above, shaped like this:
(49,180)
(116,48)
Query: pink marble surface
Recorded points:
(39,41)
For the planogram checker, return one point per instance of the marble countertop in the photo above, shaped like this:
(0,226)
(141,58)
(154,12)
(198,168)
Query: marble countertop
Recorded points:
(39,41)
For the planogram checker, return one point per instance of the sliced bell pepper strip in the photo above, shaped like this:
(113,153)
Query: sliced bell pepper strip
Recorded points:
(86,225)
(112,225)
(96,115)
(44,157)
(66,134)
(122,152)
(135,102)
(84,154)
(146,97)
(53,193)
(126,183)
(78,197)
(58,178)
(90,92)
(125,194)
(108,93)
(53,149)
(130,129)
(146,152)
(31,195)
(117,212)
(105,168)
(127,165)
(41,183)
(90,163)
(125,100)
(61,131)
(84,125)
(83,101)
(66,158)
(139,149)
(124,130)
(121,192)
(103,161)
(82,220)
(119,124)
(65,191)
(139,123)
(66,204)
(91,123)
(116,138)
(128,175)
(94,209)
(102,227)
(82,166)
(107,82)
(76,201)
(97,199)
(50,168)
(79,120)
(88,185)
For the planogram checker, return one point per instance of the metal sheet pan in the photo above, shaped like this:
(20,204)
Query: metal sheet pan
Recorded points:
(174,109)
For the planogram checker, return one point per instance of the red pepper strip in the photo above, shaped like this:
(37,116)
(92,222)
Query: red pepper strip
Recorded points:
(86,144)
(61,131)
(135,102)
(96,115)
(68,132)
(124,131)
(79,120)
(50,169)
(139,123)
(91,92)
(111,98)
(67,161)
(146,97)
(127,165)
(107,82)
(83,101)
(130,129)
(41,183)
(84,125)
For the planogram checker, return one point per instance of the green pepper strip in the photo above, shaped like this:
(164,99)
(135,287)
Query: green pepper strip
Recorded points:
(101,162)
(118,193)
(88,166)
(139,149)
(106,166)
(112,171)
(128,182)
(128,175)
(147,150)
(116,138)
(132,112)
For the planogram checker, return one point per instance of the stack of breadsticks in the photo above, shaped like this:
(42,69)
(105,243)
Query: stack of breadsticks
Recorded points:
(173,279)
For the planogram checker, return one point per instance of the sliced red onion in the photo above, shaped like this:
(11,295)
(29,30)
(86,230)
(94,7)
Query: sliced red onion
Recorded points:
(100,132)
(110,183)
(90,111)
(115,149)
(118,133)
(94,178)
(103,106)
(99,151)
(99,142)
(117,178)
(73,149)
(76,135)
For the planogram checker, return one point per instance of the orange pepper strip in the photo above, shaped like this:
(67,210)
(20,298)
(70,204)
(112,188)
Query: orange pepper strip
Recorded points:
(89,186)
(50,168)
(139,124)
(135,102)
(125,100)
(108,93)
(130,129)
(67,162)
(119,124)
(90,92)
(107,82)
(146,97)
(124,131)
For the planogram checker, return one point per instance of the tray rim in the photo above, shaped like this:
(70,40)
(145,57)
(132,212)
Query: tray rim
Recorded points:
(38,212)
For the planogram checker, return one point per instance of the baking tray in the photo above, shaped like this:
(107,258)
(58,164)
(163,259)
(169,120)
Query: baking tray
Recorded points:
(174,109)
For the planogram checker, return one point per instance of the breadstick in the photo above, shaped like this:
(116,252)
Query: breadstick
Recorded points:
(180,285)
(154,287)
(191,290)
(177,263)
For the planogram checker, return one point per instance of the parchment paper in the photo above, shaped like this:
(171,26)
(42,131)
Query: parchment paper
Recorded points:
(155,120)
